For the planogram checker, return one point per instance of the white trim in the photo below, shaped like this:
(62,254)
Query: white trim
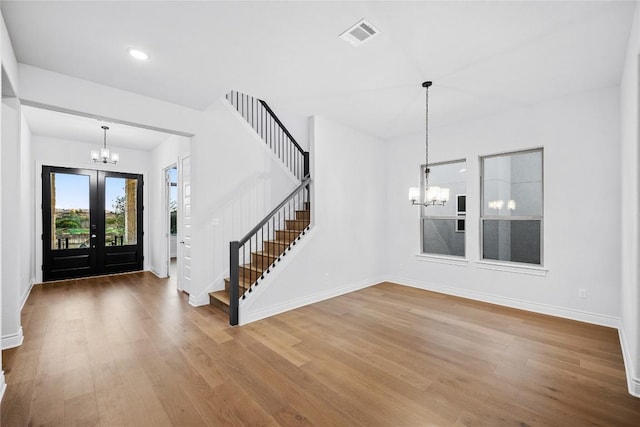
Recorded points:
(13,340)
(154,270)
(246,315)
(27,292)
(512,268)
(633,382)
(305,300)
(548,309)
(3,385)
(203,298)
(443,259)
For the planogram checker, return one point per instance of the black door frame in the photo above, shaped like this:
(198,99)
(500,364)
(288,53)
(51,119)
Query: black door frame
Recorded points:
(98,258)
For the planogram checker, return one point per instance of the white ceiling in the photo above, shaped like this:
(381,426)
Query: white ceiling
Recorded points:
(483,57)
(69,127)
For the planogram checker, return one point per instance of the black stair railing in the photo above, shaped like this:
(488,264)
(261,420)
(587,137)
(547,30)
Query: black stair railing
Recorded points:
(266,124)
(267,242)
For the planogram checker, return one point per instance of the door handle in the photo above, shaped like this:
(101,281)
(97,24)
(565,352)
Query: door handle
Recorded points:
(182,242)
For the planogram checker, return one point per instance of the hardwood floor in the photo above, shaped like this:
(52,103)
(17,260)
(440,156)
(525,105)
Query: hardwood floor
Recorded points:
(129,350)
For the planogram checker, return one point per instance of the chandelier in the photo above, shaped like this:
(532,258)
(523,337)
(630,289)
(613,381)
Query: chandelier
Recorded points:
(104,155)
(433,196)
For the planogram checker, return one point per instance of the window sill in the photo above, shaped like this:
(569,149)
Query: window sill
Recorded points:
(513,268)
(443,259)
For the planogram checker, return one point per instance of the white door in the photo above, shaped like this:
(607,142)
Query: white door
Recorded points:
(184,248)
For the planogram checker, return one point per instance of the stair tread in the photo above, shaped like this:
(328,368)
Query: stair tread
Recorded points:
(246,280)
(252,267)
(222,296)
(265,254)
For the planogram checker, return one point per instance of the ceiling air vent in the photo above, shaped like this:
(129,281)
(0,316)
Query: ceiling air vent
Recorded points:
(359,33)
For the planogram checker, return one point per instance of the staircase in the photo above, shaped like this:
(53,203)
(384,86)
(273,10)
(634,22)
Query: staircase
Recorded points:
(257,253)
(262,261)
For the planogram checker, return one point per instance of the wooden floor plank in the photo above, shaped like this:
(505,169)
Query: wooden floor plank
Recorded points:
(130,350)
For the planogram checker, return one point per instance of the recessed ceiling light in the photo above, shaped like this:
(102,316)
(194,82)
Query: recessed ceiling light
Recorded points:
(359,33)
(138,54)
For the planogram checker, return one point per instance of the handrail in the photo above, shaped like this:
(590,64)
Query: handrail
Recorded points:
(272,131)
(286,131)
(266,219)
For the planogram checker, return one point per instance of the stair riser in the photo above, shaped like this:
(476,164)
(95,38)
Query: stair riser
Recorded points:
(303,215)
(219,304)
(286,236)
(241,291)
(275,248)
(248,275)
(296,225)
(262,261)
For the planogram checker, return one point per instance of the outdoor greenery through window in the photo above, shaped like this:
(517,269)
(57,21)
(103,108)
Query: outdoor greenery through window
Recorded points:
(70,219)
(443,227)
(121,225)
(512,207)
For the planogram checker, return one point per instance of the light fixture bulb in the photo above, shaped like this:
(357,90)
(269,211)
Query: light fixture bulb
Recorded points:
(138,54)
(414,194)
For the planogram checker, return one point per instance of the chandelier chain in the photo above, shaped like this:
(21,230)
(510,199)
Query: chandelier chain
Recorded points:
(426,133)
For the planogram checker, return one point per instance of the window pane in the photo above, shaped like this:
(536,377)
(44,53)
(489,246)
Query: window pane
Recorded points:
(511,240)
(70,216)
(451,176)
(443,236)
(121,211)
(512,185)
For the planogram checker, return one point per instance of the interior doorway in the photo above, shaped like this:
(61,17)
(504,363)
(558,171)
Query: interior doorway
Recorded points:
(92,222)
(171,208)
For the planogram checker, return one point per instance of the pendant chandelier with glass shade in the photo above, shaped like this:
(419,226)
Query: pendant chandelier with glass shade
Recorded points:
(433,196)
(104,155)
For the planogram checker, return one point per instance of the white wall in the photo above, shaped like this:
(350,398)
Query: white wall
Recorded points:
(49,151)
(630,161)
(580,136)
(296,124)
(11,223)
(239,181)
(27,214)
(343,251)
(8,65)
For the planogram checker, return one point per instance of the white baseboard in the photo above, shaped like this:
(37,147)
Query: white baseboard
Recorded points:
(156,273)
(633,382)
(13,340)
(3,385)
(203,297)
(27,292)
(552,310)
(305,300)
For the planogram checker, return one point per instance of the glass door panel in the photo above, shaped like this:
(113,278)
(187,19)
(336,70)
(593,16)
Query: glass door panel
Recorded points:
(121,211)
(69,223)
(71,214)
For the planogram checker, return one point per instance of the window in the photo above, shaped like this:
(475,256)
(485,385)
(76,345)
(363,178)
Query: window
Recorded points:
(443,226)
(511,211)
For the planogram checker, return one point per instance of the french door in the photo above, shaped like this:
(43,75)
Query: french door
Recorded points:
(92,222)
